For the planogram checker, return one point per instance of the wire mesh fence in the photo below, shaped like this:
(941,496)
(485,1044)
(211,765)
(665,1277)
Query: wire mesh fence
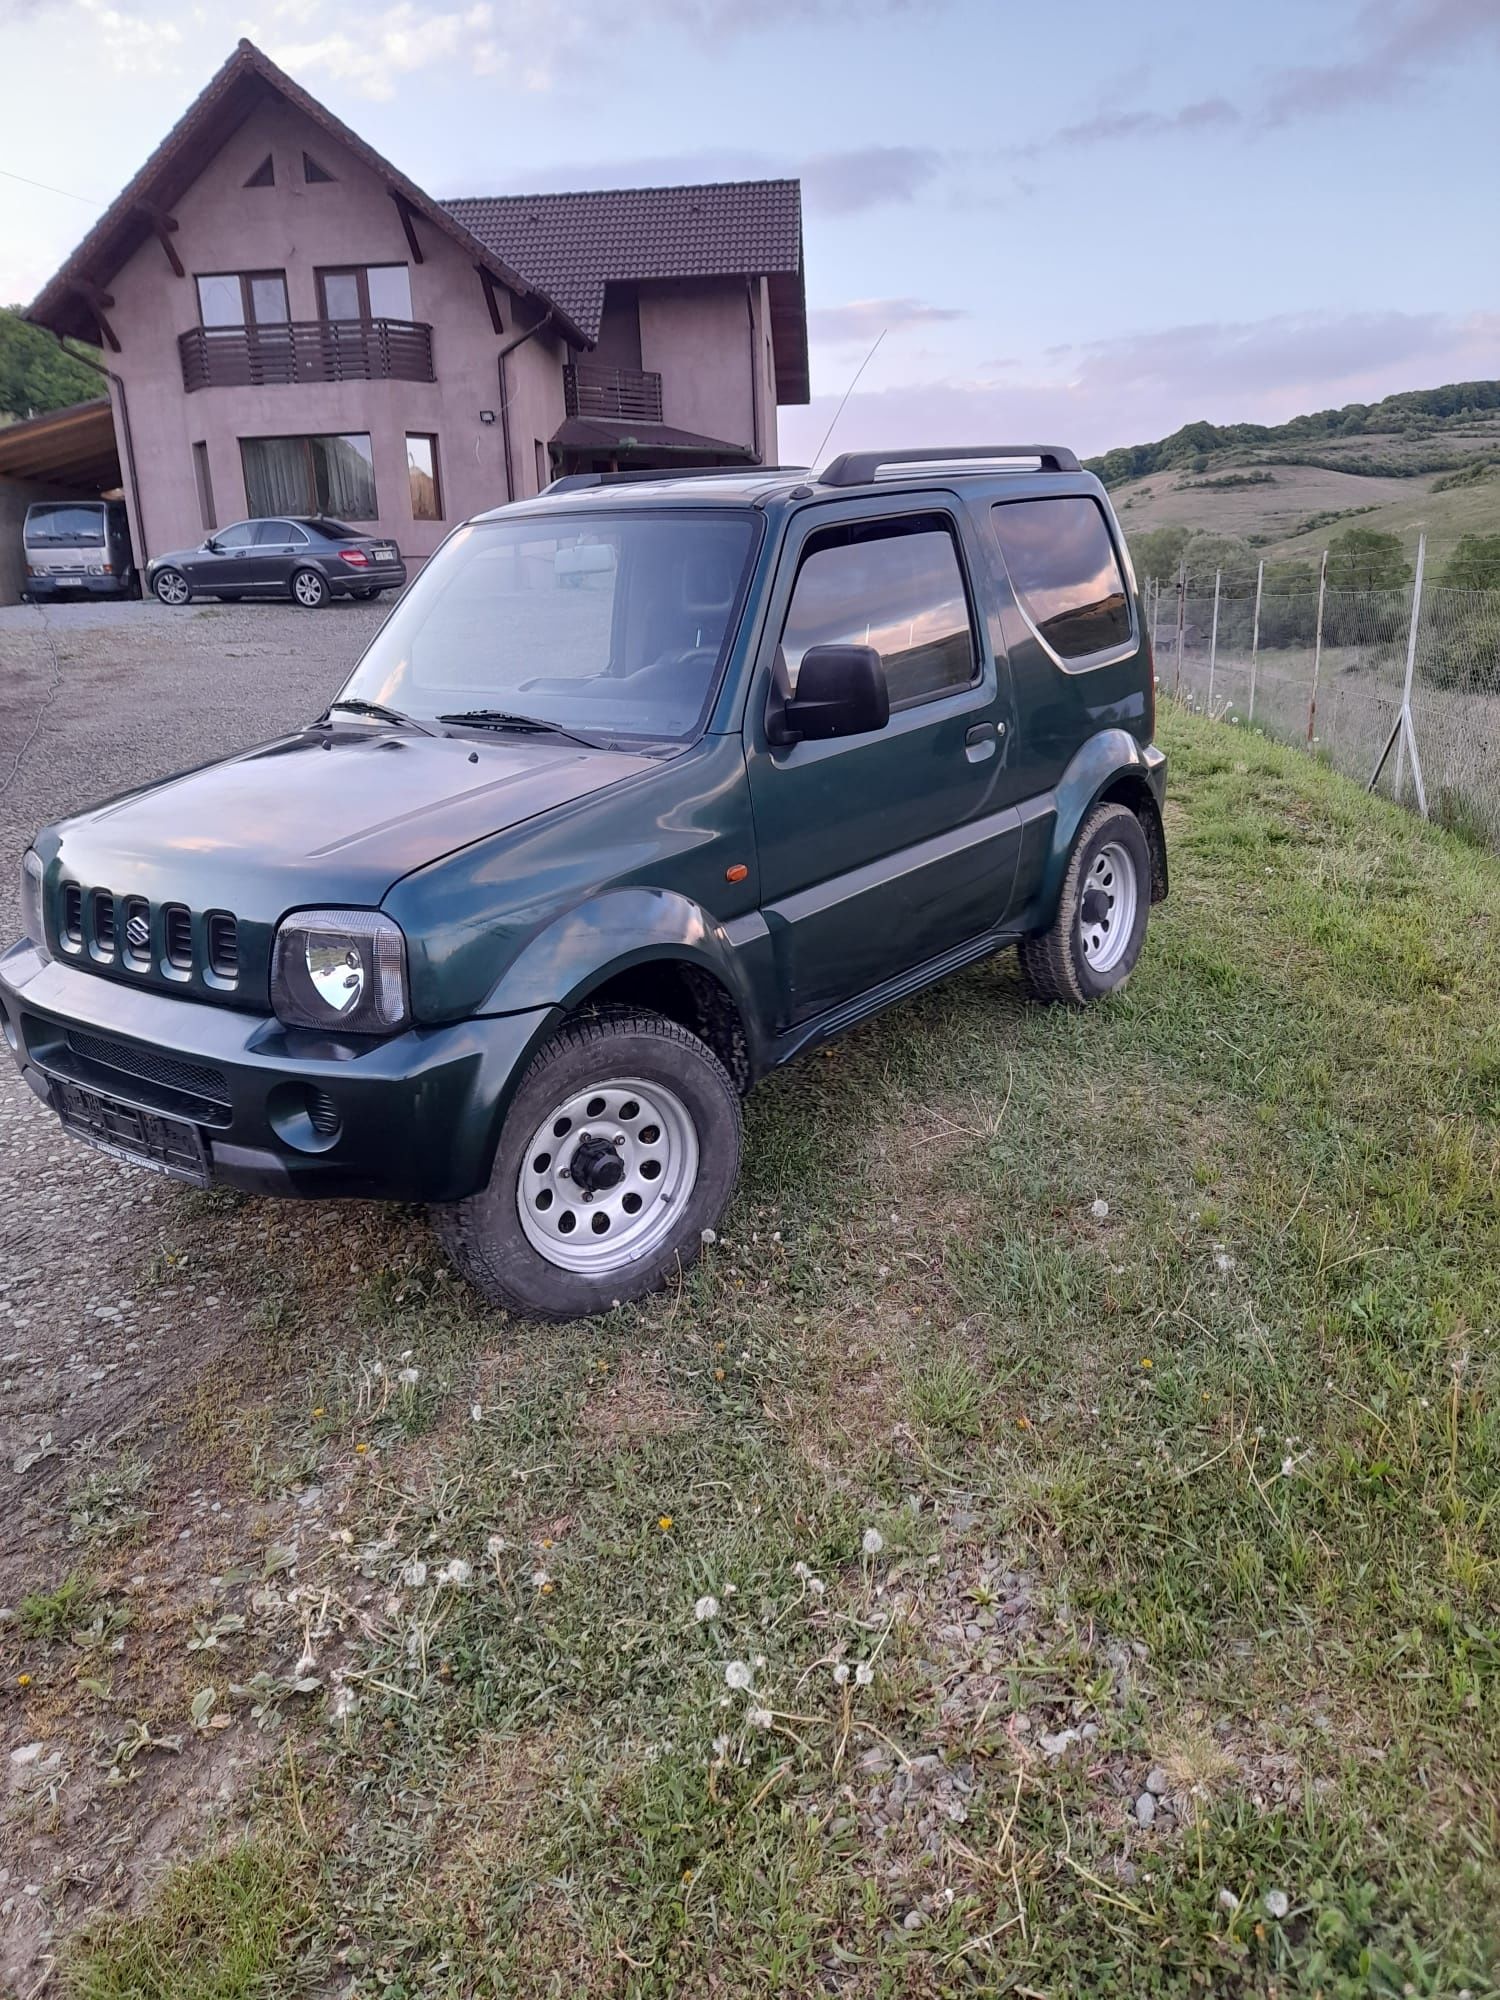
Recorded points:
(1403,682)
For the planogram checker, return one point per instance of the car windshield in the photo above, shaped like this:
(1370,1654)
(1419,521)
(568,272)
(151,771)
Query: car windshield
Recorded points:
(614,625)
(66,526)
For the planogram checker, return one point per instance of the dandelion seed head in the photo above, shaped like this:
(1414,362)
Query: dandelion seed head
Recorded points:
(706,1608)
(415,1574)
(864,1674)
(409,1377)
(873,1542)
(495,1546)
(1278,1902)
(737,1674)
(841,1673)
(457,1573)
(758,1718)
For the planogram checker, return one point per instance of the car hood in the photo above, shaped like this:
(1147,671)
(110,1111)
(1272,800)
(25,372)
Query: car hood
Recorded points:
(329,817)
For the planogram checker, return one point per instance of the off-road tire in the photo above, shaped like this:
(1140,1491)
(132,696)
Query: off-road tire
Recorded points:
(1053,960)
(483,1234)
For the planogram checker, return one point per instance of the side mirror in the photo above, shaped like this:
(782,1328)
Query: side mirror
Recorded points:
(212,546)
(841,691)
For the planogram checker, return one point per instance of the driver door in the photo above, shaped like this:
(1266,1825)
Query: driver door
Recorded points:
(882,851)
(223,563)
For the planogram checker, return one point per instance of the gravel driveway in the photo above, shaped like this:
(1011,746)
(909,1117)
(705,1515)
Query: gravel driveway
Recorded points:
(95,699)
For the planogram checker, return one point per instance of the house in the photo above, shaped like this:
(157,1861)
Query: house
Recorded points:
(290,325)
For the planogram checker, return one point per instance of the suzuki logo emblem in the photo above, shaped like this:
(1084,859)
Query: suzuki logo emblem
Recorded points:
(138,934)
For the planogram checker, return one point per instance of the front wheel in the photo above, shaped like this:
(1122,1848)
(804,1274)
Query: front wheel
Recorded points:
(1100,926)
(309,590)
(171,586)
(621,1147)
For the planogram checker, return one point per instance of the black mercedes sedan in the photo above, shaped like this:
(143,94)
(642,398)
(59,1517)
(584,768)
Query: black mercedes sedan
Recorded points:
(305,557)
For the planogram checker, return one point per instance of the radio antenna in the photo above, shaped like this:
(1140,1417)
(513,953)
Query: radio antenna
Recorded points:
(817,456)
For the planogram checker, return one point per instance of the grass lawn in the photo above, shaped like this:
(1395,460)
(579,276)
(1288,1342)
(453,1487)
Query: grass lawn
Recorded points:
(1049,1547)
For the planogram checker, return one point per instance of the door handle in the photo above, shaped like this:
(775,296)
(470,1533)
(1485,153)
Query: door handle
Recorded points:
(981,742)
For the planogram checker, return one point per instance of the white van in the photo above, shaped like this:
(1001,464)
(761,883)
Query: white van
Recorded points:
(78,545)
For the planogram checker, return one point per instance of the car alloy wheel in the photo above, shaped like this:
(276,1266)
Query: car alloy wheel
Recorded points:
(171,586)
(309,589)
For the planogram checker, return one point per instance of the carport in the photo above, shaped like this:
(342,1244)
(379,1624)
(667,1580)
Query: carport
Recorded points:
(62,455)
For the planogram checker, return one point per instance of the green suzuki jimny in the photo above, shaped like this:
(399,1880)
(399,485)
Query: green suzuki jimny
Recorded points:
(645,787)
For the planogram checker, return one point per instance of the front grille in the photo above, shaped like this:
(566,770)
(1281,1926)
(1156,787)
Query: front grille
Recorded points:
(178,928)
(223,946)
(130,938)
(104,922)
(151,1065)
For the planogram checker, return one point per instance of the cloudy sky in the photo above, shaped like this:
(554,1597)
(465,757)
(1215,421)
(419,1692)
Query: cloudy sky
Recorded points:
(1087,220)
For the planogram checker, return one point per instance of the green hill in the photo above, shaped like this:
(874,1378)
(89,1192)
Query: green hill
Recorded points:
(36,374)
(1425,461)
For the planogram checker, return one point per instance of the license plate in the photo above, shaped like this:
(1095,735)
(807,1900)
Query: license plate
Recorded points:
(143,1138)
(384,552)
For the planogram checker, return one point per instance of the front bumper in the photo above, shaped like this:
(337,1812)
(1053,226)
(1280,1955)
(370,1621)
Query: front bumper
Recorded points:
(95,586)
(417,1116)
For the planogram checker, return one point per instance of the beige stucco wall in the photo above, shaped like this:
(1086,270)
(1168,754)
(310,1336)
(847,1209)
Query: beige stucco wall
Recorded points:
(298,228)
(697,335)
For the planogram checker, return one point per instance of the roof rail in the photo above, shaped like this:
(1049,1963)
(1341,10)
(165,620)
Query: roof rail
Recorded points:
(859,468)
(575,482)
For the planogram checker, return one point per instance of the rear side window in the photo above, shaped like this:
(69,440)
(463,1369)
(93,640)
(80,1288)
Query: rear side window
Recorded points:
(896,585)
(1065,572)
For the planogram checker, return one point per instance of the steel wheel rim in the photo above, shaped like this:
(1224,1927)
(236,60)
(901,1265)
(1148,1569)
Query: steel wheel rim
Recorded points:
(172,589)
(596,1231)
(1106,917)
(309,589)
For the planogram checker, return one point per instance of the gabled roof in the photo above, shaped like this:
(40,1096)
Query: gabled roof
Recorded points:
(572,245)
(68,303)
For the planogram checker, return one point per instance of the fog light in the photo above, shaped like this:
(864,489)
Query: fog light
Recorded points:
(303,1117)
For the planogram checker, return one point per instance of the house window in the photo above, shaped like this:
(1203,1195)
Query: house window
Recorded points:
(311,475)
(312,172)
(242,298)
(205,487)
(422,471)
(264,175)
(366,291)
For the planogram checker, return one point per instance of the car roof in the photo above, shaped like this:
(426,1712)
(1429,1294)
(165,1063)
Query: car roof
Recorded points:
(850,474)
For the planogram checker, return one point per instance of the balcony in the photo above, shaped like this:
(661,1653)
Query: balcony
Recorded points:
(306,350)
(592,391)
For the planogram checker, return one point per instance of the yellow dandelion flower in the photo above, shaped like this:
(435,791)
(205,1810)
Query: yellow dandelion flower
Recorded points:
(664,1522)
(718,1374)
(1023,1423)
(1146,1361)
(23,1680)
(320,1411)
(547,1589)
(361,1449)
(546,1541)
(687,1876)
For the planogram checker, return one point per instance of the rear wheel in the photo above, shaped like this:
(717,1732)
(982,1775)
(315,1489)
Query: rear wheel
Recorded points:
(621,1147)
(1100,926)
(171,586)
(309,590)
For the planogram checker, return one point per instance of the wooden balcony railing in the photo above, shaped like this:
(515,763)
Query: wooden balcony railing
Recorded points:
(306,350)
(593,391)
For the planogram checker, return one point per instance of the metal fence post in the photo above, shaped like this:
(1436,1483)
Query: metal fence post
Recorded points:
(1181,620)
(1213,643)
(1260,578)
(1155,612)
(1312,706)
(1406,733)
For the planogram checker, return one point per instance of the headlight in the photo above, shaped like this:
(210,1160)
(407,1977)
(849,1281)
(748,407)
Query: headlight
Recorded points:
(32,920)
(340,969)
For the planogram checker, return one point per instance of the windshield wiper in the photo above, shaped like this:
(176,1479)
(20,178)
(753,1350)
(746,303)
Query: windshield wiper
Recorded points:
(497,718)
(379,710)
